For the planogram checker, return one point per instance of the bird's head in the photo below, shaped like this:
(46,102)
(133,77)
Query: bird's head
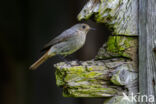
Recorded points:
(84,27)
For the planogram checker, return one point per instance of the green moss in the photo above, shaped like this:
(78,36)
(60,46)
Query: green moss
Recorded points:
(79,81)
(59,77)
(80,75)
(80,16)
(91,92)
(115,79)
(91,75)
(117,46)
(111,45)
(75,69)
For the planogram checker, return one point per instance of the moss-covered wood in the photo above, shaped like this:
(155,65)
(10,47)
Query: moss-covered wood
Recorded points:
(118,46)
(114,69)
(95,78)
(119,15)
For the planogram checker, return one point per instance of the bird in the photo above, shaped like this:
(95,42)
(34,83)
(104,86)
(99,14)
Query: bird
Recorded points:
(64,44)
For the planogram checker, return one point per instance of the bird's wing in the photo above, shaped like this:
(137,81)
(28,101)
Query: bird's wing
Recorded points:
(62,37)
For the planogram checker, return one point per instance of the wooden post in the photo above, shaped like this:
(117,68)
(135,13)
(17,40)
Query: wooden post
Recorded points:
(147,39)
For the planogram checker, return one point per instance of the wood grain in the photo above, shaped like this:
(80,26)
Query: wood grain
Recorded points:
(147,38)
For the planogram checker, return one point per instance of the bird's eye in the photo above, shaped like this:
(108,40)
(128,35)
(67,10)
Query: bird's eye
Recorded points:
(83,26)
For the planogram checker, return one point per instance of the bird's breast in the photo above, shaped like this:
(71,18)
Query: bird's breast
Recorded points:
(74,44)
(79,40)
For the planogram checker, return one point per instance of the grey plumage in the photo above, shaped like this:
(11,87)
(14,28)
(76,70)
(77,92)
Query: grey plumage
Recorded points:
(66,43)
(64,36)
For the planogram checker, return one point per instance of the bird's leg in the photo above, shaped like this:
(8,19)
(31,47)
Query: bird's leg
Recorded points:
(67,62)
(78,62)
(64,59)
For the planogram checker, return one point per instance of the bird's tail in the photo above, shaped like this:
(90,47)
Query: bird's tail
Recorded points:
(40,61)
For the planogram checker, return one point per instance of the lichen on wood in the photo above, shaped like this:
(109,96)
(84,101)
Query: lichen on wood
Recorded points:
(121,15)
(94,78)
(118,46)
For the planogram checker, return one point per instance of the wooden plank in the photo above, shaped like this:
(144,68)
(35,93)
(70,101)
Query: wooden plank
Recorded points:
(147,38)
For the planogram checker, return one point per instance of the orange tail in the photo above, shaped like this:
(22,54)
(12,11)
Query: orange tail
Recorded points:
(39,61)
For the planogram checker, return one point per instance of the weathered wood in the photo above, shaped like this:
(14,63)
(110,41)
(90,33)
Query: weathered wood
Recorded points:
(95,78)
(118,100)
(121,17)
(119,46)
(147,38)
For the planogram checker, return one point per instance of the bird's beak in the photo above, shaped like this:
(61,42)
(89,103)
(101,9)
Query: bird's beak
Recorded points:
(92,28)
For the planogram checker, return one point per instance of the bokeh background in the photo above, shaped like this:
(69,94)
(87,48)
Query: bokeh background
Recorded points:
(25,26)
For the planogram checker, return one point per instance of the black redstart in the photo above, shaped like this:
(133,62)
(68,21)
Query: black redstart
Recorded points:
(65,44)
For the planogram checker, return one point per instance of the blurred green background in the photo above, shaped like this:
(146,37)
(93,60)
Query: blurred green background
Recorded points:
(25,26)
